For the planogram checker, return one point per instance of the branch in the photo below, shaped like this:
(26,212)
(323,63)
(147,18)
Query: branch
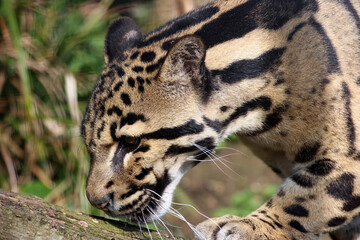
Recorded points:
(24,216)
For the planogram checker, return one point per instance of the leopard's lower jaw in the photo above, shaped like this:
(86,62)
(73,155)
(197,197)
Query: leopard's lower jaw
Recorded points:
(157,205)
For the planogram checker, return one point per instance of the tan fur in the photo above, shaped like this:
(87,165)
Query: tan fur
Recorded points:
(314,104)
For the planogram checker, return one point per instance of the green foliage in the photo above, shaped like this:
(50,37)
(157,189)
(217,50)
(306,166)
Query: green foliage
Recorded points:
(36,188)
(50,56)
(232,138)
(246,201)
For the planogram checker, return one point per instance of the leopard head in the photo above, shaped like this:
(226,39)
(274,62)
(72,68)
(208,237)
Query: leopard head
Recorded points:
(144,126)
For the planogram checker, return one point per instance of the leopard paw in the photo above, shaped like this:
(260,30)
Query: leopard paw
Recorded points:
(231,227)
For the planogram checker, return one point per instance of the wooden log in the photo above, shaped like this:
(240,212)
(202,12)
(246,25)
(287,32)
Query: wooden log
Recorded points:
(24,216)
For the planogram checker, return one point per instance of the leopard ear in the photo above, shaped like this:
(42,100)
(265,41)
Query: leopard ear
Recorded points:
(122,34)
(184,61)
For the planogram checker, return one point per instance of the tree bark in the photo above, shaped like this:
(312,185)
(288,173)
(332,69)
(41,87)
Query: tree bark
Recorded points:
(24,216)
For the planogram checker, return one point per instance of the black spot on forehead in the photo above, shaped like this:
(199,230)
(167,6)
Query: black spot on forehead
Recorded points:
(131,82)
(120,72)
(148,56)
(140,80)
(118,86)
(115,110)
(138,69)
(126,99)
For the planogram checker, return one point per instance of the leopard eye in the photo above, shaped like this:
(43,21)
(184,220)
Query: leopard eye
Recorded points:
(131,142)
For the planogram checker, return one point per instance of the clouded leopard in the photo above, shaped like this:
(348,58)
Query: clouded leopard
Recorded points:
(282,74)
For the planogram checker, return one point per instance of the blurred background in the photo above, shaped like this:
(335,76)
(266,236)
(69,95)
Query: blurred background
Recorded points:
(51,52)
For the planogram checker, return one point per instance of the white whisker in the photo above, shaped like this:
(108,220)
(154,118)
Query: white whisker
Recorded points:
(232,149)
(212,155)
(138,220)
(188,205)
(214,159)
(157,230)
(174,212)
(161,221)
(147,226)
(237,152)
(193,158)
(180,204)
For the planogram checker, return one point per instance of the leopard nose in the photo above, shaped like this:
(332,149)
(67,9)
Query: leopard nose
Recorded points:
(101,203)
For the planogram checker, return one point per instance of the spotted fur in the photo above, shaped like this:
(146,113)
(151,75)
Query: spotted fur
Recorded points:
(282,74)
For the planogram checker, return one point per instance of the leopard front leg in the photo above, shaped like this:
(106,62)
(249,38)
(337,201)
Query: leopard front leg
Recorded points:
(320,197)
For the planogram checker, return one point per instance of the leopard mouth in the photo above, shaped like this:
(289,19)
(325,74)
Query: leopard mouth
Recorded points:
(145,203)
(137,210)
(148,206)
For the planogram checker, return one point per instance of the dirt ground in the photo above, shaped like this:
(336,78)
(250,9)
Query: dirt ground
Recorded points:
(207,187)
